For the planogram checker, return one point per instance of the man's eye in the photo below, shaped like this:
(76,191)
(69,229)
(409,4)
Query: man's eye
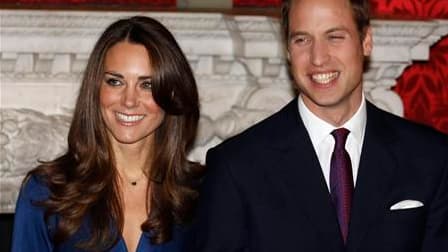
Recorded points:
(336,37)
(300,40)
(146,85)
(113,82)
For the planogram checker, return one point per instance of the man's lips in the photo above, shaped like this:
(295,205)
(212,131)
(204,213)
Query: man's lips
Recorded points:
(324,78)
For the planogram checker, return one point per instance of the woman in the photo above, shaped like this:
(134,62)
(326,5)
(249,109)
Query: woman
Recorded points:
(125,183)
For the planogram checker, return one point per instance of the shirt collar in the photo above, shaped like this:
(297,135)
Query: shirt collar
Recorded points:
(318,129)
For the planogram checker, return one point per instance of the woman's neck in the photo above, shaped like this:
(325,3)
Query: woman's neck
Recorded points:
(132,161)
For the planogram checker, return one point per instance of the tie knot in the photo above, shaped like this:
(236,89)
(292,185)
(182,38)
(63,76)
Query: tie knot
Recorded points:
(340,136)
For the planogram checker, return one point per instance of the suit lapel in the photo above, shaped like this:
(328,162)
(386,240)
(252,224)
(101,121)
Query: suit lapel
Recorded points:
(300,173)
(375,172)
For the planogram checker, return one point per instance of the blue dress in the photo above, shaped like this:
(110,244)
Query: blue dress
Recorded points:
(32,233)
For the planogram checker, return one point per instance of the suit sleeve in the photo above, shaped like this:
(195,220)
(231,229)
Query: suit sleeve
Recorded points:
(30,232)
(219,224)
(436,233)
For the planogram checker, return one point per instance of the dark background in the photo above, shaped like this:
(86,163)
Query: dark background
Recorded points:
(6,221)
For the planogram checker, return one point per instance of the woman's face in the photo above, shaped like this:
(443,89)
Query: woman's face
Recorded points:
(127,106)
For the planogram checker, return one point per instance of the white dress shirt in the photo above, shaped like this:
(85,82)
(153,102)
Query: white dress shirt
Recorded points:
(323,142)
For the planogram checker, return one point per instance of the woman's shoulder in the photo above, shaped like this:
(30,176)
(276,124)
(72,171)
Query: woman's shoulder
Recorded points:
(34,188)
(31,232)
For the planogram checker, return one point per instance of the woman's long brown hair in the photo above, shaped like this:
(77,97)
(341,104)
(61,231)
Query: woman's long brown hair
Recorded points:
(83,182)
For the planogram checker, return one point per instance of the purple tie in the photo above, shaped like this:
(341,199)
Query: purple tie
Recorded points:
(341,180)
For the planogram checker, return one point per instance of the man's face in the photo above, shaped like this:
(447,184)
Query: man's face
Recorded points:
(327,55)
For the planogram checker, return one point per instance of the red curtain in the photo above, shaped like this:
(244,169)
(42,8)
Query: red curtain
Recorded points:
(424,89)
(423,86)
(414,9)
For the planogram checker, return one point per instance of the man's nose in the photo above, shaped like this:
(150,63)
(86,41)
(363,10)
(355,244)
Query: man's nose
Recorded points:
(319,53)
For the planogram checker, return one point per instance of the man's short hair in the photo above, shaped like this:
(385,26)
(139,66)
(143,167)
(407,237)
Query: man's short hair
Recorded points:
(360,10)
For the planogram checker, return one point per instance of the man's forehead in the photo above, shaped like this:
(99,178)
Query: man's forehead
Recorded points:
(324,14)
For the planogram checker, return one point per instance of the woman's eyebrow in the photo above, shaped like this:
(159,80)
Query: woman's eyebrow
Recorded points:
(114,74)
(144,77)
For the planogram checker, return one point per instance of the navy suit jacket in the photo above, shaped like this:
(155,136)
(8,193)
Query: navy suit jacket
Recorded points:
(265,191)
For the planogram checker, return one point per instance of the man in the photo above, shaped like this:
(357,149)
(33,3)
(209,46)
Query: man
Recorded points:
(330,171)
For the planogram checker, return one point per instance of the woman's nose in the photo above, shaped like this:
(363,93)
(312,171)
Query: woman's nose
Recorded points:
(130,98)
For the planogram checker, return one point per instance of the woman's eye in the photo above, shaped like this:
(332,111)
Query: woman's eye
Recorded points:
(146,85)
(113,82)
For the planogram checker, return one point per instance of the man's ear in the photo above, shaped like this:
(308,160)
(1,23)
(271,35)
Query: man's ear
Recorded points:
(367,42)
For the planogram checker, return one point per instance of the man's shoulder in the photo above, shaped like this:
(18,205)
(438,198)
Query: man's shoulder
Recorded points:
(259,134)
(409,131)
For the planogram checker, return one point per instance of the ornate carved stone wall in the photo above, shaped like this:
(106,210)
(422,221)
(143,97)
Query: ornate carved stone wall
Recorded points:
(238,61)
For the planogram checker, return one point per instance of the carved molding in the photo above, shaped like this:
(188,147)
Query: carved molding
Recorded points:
(238,62)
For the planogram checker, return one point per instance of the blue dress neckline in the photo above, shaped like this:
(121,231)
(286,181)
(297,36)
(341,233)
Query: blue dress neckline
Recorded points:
(33,233)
